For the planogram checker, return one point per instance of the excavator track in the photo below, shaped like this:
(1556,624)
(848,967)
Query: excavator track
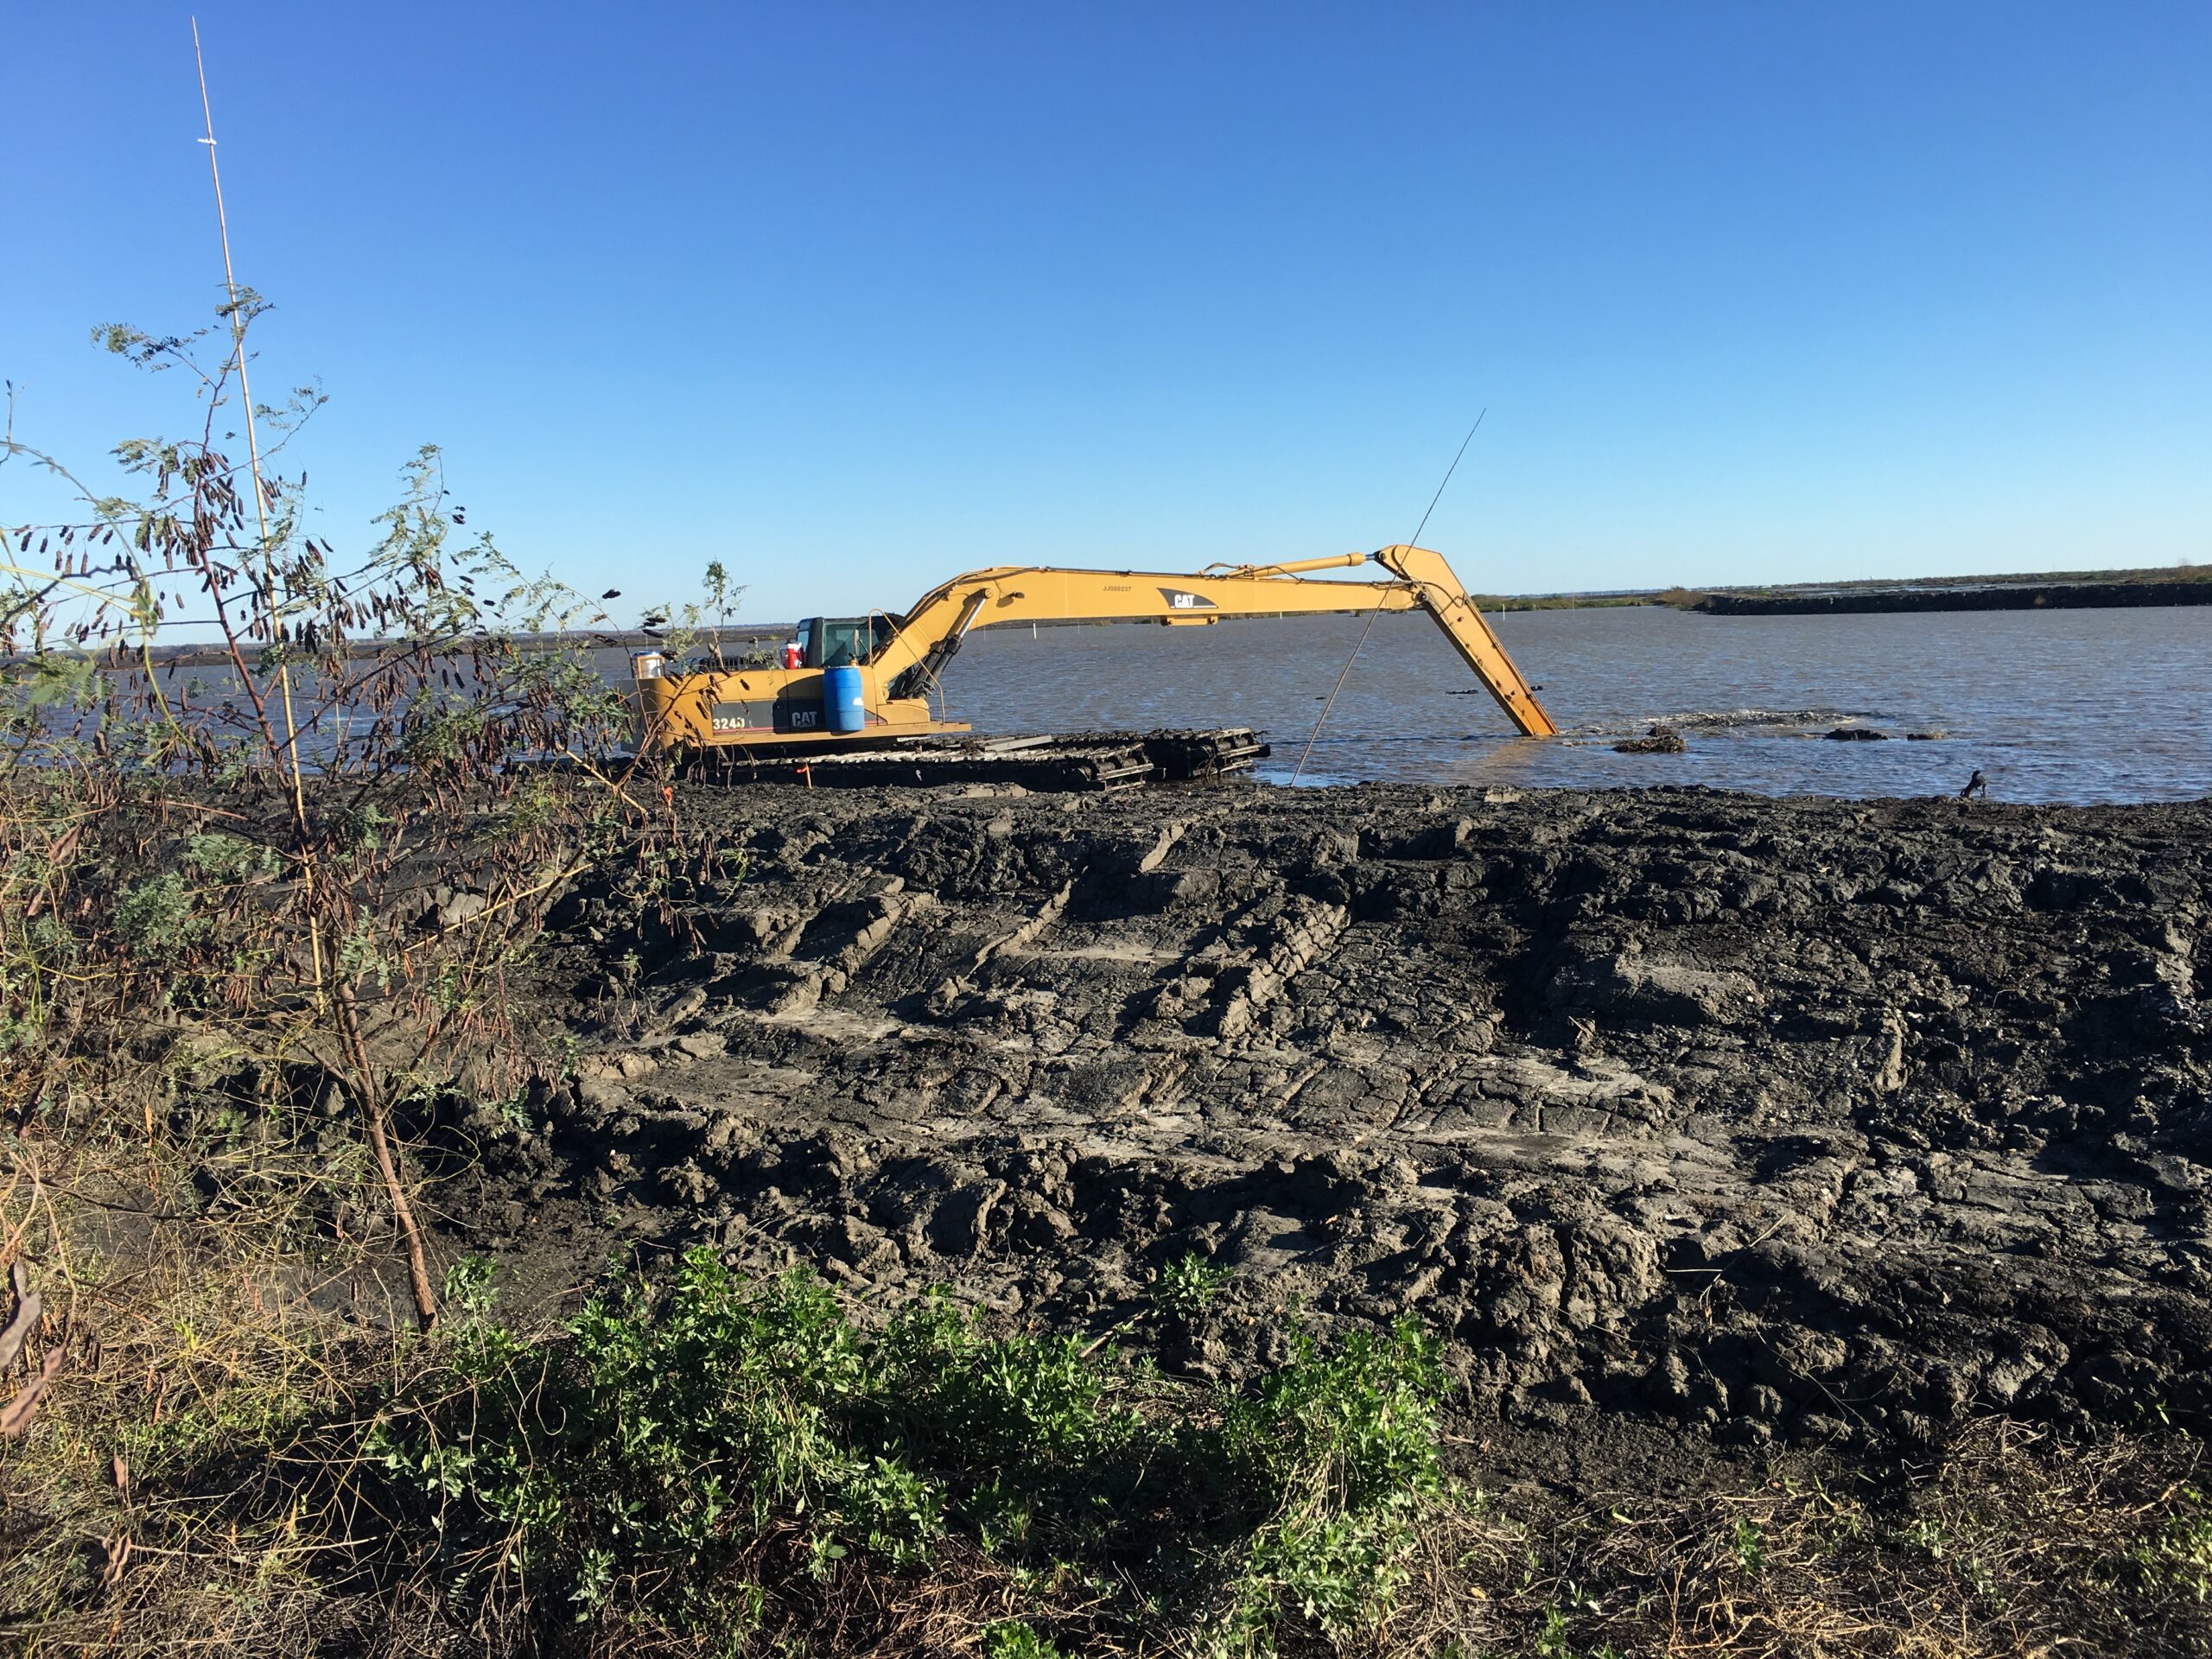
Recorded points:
(1080,763)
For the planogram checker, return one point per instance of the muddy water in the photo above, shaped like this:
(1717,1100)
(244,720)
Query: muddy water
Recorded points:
(2068,706)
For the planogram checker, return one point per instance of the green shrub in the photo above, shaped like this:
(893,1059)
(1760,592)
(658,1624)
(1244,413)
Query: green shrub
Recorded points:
(155,919)
(1022,1405)
(1342,1444)
(1186,1286)
(1353,1426)
(228,858)
(711,1457)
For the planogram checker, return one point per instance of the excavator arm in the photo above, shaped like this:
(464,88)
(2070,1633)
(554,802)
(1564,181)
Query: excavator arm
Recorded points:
(786,706)
(932,633)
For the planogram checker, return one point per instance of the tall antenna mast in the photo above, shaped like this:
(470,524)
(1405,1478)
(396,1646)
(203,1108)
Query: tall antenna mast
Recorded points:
(231,286)
(260,500)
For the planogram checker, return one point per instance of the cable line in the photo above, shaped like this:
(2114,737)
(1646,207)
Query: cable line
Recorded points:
(1297,771)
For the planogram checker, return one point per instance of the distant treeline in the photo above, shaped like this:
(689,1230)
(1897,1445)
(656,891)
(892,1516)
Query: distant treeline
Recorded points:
(2062,590)
(2056,596)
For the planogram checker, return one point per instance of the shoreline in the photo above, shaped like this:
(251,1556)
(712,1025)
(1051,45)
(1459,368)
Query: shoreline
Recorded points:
(2072,591)
(2027,596)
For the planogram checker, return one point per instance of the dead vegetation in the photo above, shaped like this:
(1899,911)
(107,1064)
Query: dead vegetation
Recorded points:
(2007,1541)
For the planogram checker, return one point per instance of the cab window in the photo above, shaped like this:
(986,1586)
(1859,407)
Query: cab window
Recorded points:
(836,641)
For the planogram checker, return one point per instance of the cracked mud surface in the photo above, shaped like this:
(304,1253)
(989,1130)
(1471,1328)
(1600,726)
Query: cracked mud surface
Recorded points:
(1801,1120)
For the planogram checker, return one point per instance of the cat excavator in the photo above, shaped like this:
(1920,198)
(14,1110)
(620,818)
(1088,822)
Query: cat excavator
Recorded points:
(861,683)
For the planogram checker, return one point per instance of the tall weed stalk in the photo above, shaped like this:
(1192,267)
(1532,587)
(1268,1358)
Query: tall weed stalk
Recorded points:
(316,801)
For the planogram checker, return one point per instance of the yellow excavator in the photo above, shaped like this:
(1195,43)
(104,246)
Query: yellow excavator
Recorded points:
(867,682)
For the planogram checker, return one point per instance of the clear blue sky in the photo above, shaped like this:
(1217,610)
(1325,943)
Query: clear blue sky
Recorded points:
(856,296)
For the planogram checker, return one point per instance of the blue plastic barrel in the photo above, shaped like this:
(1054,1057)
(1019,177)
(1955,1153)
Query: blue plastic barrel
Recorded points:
(840,695)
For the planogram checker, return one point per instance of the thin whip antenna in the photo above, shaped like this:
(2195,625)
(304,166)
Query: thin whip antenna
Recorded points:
(1299,770)
(231,286)
(1448,470)
(253,463)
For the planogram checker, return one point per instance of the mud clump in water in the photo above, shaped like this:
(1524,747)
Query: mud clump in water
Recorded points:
(1659,740)
(1794,1119)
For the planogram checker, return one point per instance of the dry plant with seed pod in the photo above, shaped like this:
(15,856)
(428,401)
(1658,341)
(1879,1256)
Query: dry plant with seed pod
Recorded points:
(295,808)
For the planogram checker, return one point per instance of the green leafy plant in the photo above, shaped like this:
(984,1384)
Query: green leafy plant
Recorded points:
(720,1445)
(1344,1441)
(469,1284)
(1015,1640)
(220,857)
(1186,1286)
(696,630)
(158,919)
(1749,1545)
(2178,1552)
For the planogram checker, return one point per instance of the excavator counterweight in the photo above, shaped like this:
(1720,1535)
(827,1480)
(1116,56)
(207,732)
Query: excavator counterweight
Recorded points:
(900,659)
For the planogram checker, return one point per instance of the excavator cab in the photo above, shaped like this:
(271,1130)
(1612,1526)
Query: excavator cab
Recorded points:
(835,641)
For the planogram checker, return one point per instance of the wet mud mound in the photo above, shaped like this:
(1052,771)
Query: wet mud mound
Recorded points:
(1796,1119)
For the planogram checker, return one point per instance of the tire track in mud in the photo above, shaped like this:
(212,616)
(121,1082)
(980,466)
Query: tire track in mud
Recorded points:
(1801,1118)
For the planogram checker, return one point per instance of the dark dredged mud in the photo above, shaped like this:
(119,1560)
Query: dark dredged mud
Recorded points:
(1798,1120)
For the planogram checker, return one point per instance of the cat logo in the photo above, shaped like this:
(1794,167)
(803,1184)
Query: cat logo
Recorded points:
(1179,600)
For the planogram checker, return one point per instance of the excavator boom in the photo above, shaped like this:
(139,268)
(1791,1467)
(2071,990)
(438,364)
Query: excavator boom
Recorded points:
(899,660)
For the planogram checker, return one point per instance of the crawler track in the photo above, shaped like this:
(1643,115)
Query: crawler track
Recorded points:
(1088,762)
